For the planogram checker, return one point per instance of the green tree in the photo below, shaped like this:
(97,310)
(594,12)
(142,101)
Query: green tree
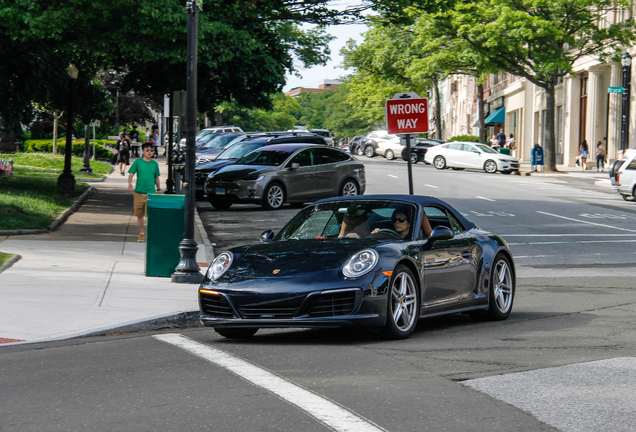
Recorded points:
(539,40)
(245,47)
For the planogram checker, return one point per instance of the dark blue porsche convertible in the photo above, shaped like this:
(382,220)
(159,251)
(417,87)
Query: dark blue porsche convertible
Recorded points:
(377,261)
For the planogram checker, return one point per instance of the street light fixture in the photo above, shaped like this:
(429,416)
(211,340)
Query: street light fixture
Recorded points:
(626,61)
(66,180)
(187,271)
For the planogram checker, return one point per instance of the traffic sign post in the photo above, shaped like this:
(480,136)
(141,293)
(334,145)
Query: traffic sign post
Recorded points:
(407,114)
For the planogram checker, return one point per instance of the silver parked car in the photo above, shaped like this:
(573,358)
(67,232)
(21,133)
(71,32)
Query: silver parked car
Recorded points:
(286,173)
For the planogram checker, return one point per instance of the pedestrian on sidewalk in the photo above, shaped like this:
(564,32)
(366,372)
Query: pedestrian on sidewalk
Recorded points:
(134,139)
(147,171)
(122,158)
(501,138)
(600,156)
(584,152)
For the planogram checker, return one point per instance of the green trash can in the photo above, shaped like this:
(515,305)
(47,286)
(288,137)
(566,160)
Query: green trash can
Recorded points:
(165,231)
(504,150)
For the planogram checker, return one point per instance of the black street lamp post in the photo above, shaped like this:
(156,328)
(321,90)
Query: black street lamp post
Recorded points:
(626,61)
(86,168)
(66,180)
(187,271)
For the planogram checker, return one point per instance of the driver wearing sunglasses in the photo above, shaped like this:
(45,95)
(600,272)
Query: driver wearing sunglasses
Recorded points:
(401,223)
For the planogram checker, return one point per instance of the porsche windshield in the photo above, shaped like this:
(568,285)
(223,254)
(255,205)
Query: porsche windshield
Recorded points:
(352,220)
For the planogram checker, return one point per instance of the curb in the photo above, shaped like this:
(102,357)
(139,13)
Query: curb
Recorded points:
(179,320)
(69,211)
(58,221)
(8,263)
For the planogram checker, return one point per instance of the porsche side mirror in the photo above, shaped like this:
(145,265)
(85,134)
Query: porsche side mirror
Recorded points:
(440,233)
(267,236)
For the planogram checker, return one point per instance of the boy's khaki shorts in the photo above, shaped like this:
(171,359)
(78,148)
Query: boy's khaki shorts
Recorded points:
(140,203)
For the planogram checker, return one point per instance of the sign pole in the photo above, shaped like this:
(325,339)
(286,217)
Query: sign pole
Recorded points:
(93,140)
(408,161)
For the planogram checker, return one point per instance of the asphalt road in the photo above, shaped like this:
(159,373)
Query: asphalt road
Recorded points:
(564,360)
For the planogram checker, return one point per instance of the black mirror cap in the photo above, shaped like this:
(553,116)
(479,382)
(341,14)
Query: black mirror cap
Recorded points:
(267,236)
(441,233)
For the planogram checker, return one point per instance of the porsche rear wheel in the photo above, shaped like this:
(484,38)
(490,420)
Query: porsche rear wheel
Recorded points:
(236,333)
(402,305)
(502,289)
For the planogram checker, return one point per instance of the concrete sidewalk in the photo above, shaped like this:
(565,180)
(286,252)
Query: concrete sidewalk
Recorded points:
(87,277)
(600,178)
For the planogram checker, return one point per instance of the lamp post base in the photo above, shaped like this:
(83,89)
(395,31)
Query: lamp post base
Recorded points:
(170,183)
(66,182)
(187,271)
(85,169)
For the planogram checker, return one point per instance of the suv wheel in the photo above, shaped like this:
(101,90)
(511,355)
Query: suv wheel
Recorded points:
(369,151)
(274,196)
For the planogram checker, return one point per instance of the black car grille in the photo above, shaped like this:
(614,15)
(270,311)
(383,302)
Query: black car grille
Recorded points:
(335,304)
(514,165)
(268,312)
(216,306)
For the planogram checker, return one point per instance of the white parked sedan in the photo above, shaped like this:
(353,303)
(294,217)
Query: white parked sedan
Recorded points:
(460,155)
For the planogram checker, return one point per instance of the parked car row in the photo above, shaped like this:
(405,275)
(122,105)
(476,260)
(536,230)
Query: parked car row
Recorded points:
(390,146)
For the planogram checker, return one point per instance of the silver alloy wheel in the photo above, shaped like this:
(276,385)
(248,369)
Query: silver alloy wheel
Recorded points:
(275,196)
(503,288)
(403,302)
(490,166)
(360,151)
(439,162)
(369,151)
(389,155)
(349,188)
(413,158)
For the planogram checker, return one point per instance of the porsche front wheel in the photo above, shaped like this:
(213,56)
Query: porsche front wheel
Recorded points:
(402,305)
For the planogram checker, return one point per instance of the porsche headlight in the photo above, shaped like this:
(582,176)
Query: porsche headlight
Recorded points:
(360,264)
(220,265)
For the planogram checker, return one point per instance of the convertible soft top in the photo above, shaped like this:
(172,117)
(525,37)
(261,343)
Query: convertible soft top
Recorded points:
(419,200)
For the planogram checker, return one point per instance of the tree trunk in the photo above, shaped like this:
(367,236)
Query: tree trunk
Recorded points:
(549,152)
(480,113)
(438,108)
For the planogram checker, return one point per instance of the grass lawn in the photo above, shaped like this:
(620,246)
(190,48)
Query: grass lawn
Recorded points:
(47,165)
(30,199)
(4,257)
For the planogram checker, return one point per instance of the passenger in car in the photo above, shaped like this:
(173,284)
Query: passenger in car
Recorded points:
(354,226)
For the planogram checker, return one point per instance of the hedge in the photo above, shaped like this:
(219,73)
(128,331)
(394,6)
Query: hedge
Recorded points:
(469,138)
(102,150)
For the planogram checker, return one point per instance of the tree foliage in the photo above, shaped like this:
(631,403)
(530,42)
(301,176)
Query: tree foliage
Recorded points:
(539,40)
(245,48)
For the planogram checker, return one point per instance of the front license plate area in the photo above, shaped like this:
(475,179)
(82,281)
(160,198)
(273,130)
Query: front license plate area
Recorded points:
(220,191)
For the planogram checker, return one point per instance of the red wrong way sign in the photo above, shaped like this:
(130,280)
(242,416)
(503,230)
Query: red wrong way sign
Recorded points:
(406,116)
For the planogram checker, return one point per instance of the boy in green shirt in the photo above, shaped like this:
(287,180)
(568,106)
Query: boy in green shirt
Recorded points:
(147,172)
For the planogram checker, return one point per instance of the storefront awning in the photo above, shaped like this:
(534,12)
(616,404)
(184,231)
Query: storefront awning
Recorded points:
(498,116)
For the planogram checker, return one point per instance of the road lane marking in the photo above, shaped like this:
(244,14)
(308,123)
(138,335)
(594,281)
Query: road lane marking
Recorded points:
(431,186)
(574,242)
(484,198)
(587,222)
(393,176)
(322,409)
